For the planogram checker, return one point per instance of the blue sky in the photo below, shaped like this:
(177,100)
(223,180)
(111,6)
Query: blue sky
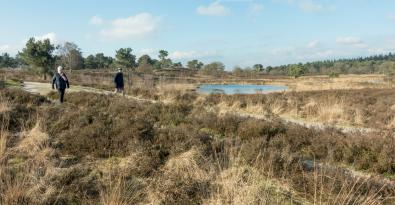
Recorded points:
(236,32)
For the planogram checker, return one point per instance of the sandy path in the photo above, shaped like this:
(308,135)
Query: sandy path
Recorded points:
(316,125)
(45,88)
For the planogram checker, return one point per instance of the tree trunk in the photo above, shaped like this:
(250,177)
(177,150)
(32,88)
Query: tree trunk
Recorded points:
(45,76)
(129,83)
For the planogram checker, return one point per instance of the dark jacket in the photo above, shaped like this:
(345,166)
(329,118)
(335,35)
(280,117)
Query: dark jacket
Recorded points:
(59,82)
(118,80)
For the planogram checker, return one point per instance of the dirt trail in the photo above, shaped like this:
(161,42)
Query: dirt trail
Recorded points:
(316,125)
(45,88)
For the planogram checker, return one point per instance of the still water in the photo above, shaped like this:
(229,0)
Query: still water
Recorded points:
(239,88)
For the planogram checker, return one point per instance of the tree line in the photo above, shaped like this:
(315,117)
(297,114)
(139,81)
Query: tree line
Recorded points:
(377,64)
(42,56)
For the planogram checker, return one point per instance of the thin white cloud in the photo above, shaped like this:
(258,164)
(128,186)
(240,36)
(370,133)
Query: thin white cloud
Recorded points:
(310,6)
(321,54)
(372,51)
(313,44)
(307,5)
(283,51)
(149,51)
(51,36)
(214,9)
(304,55)
(182,55)
(10,49)
(391,17)
(256,8)
(137,26)
(96,20)
(350,40)
(5,48)
(284,1)
(88,36)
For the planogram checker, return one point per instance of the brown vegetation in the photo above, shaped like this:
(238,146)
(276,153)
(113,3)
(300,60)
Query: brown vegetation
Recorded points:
(98,149)
(370,108)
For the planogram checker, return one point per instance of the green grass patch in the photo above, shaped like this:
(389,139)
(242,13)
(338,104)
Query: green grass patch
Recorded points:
(11,83)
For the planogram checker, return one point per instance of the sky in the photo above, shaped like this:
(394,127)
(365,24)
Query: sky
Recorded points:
(235,32)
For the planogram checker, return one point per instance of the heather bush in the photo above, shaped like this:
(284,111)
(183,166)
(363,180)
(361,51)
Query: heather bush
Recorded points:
(103,149)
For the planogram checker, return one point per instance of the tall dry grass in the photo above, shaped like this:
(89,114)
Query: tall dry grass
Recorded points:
(118,187)
(14,190)
(184,179)
(343,82)
(332,110)
(3,143)
(202,159)
(344,108)
(332,189)
(120,192)
(22,174)
(33,141)
(4,106)
(237,181)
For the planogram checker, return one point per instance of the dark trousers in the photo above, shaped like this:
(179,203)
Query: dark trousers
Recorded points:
(61,95)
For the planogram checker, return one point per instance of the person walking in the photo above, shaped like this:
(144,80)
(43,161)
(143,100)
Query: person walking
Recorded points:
(61,82)
(119,84)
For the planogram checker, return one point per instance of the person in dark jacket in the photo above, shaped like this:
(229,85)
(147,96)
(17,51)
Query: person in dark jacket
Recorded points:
(119,84)
(61,82)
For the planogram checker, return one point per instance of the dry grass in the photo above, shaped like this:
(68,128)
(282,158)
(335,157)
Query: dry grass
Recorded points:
(240,185)
(186,166)
(119,185)
(28,160)
(133,153)
(169,92)
(14,190)
(349,193)
(182,180)
(343,82)
(333,190)
(4,106)
(119,192)
(3,143)
(33,141)
(366,108)
(329,111)
(251,183)
(175,87)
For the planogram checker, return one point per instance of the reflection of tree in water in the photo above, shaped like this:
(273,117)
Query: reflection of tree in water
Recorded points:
(259,90)
(240,89)
(215,90)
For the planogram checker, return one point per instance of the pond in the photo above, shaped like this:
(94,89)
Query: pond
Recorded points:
(239,88)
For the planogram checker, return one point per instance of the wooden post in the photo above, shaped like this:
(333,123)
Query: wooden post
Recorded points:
(129,82)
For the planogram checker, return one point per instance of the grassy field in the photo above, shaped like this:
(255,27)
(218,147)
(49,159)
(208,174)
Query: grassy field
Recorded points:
(181,147)
(365,108)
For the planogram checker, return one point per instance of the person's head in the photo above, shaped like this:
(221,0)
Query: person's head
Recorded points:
(60,69)
(120,70)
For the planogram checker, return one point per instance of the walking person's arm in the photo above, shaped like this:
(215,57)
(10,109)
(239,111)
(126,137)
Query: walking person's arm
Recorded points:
(53,81)
(116,79)
(67,82)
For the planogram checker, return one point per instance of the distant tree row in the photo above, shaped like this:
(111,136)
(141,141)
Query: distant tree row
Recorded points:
(378,64)
(6,61)
(42,55)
